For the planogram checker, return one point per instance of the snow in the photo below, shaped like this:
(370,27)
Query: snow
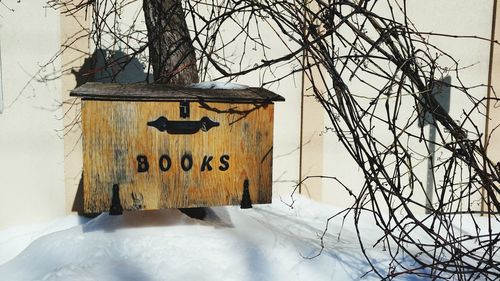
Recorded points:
(268,242)
(218,85)
(16,239)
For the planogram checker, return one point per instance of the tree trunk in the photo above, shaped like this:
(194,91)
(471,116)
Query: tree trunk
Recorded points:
(171,52)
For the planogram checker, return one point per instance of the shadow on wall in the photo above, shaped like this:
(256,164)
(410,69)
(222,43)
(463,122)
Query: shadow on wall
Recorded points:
(110,67)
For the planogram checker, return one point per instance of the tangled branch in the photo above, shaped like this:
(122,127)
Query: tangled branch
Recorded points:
(393,128)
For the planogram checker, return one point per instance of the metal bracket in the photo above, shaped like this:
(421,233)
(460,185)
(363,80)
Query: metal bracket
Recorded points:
(184,109)
(183,127)
(246,202)
(116,206)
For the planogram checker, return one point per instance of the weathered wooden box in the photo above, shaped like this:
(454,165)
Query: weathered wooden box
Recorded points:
(157,146)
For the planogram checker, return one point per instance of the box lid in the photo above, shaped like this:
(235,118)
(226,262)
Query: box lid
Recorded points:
(162,92)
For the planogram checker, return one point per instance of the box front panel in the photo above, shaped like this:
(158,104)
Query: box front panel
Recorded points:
(160,160)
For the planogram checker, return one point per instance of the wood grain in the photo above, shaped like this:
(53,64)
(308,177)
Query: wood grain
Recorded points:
(162,92)
(116,132)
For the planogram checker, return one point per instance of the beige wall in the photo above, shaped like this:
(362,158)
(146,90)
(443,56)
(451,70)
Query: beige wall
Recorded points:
(31,146)
(40,173)
(312,152)
(494,109)
(462,17)
(493,118)
(72,59)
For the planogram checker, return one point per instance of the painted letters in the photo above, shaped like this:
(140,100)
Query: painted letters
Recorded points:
(206,163)
(165,163)
(189,165)
(224,161)
(186,163)
(142,164)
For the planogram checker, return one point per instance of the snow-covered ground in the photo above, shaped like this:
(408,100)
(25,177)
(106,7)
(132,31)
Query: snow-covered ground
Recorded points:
(268,242)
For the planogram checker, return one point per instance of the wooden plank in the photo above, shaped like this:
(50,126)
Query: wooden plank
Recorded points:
(116,134)
(159,92)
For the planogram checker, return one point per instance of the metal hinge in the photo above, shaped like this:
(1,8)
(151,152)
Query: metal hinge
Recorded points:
(184,109)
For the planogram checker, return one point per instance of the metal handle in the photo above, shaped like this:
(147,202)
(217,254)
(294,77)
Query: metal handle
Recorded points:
(183,127)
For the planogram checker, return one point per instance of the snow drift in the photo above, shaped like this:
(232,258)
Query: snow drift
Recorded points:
(268,242)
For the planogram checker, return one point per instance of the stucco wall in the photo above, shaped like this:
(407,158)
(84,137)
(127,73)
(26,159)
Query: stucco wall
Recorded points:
(445,16)
(493,121)
(39,173)
(31,145)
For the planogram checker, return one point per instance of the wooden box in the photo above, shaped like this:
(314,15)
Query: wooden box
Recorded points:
(148,146)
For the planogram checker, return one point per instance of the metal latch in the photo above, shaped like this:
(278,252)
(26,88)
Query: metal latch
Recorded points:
(184,109)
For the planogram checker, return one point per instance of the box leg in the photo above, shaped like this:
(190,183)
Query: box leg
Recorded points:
(246,202)
(116,206)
